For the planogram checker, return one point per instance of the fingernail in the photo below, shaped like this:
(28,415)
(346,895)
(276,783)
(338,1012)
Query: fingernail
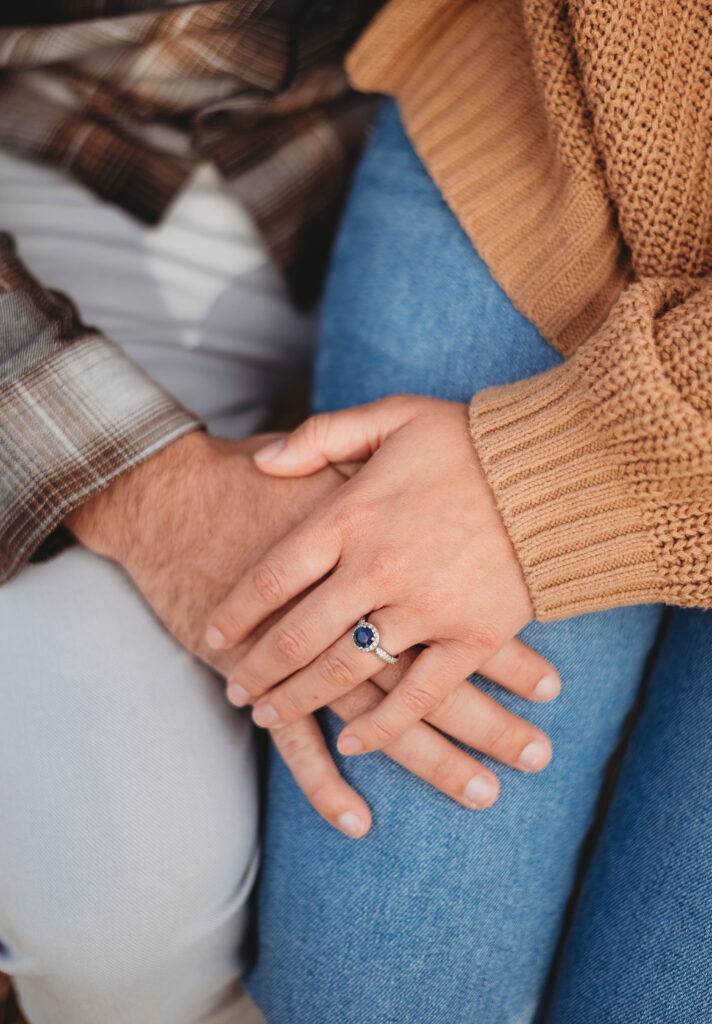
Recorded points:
(547,688)
(351,824)
(534,756)
(350,745)
(265,715)
(238,695)
(269,452)
(480,791)
(215,639)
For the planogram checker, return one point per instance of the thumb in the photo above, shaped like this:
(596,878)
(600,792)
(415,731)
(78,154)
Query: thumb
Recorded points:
(351,435)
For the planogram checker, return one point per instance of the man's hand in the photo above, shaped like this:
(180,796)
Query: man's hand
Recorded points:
(186,524)
(415,543)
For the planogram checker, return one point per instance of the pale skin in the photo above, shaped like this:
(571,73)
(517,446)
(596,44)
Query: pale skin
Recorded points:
(414,541)
(189,522)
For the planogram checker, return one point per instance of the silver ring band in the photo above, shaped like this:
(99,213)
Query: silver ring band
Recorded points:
(366,638)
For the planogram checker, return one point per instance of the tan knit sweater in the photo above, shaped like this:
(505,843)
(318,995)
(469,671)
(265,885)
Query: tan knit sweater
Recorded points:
(573,142)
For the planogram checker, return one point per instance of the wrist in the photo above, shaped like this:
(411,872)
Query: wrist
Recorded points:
(114,522)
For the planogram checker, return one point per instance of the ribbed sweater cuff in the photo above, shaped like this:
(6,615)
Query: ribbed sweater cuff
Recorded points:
(579,530)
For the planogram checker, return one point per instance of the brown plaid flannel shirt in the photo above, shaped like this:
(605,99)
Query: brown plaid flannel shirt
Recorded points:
(127,96)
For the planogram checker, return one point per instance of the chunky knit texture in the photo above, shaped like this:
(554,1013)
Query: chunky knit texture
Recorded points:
(573,142)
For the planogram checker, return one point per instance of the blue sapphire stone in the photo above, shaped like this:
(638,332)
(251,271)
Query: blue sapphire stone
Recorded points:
(363,636)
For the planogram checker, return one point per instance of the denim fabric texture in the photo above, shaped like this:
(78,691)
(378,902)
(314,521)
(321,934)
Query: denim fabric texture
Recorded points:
(639,950)
(443,915)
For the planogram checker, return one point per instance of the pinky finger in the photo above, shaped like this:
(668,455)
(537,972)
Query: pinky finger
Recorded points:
(303,749)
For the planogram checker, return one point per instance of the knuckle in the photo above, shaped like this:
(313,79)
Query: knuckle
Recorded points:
(381,568)
(382,733)
(335,670)
(520,666)
(418,700)
(266,582)
(446,706)
(499,739)
(315,429)
(482,637)
(292,643)
(296,746)
(347,520)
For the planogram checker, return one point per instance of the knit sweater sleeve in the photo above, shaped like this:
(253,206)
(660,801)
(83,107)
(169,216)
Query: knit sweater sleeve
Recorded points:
(602,467)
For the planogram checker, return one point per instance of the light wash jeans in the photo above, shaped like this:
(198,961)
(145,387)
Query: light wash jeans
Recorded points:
(447,916)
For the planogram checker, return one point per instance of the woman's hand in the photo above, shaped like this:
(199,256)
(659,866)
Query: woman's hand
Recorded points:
(229,514)
(413,541)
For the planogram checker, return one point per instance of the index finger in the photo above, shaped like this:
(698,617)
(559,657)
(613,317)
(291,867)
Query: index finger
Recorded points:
(292,565)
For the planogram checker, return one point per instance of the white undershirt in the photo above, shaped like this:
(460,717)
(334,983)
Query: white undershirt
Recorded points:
(200,282)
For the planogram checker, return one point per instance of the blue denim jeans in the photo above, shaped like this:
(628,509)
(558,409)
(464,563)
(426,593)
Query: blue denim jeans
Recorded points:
(443,915)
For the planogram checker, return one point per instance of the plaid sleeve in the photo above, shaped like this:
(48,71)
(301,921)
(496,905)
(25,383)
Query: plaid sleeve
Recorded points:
(75,412)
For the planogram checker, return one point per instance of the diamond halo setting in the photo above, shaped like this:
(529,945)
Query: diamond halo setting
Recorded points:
(366,638)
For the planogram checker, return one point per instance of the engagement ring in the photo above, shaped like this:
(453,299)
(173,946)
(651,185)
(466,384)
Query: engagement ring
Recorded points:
(367,638)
